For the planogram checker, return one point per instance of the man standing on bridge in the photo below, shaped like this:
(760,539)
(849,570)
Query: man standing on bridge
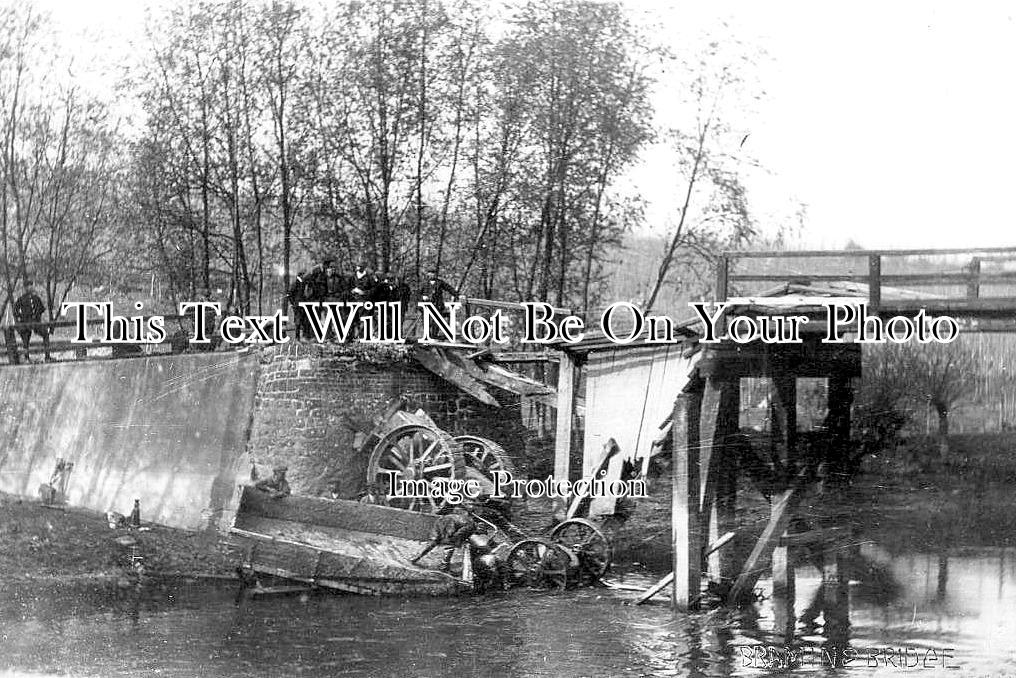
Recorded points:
(434,290)
(28,309)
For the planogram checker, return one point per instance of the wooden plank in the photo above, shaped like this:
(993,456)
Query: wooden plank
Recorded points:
(655,588)
(669,578)
(340,513)
(565,408)
(685,518)
(981,307)
(278,590)
(434,360)
(795,254)
(507,305)
(916,279)
(523,357)
(495,375)
(761,554)
(608,459)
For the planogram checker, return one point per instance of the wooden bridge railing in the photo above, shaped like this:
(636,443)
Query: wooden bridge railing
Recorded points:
(828,267)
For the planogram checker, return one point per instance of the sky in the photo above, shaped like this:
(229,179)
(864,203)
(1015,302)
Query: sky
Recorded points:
(893,122)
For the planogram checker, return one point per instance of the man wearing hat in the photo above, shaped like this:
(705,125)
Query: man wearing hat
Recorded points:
(434,290)
(276,486)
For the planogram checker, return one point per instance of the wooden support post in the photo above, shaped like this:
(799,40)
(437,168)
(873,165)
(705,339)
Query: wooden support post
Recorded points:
(12,346)
(565,407)
(874,282)
(720,410)
(974,286)
(686,530)
(783,411)
(784,593)
(835,599)
(722,274)
(840,399)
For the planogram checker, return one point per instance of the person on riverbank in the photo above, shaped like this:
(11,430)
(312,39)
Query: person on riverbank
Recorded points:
(277,486)
(451,530)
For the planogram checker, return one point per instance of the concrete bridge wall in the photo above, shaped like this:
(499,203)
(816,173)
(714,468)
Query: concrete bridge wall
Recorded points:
(181,432)
(170,431)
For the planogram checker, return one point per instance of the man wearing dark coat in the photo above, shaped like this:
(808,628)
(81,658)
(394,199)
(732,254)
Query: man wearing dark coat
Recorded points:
(363,283)
(435,290)
(28,308)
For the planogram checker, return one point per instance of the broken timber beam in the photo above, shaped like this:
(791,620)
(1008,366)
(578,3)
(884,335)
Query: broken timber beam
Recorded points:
(435,360)
(761,554)
(660,585)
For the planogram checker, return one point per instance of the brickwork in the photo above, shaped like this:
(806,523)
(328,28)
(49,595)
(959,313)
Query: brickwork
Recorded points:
(313,398)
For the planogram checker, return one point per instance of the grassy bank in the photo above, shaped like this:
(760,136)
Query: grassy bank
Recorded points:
(68,543)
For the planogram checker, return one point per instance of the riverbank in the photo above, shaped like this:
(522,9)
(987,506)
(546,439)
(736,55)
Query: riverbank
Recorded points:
(68,544)
(908,500)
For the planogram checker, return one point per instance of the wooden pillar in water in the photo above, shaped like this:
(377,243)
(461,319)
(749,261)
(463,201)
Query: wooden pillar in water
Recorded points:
(835,600)
(720,410)
(784,594)
(784,430)
(685,516)
(840,398)
(565,407)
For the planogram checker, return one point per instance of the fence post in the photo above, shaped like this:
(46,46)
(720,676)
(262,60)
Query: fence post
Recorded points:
(722,271)
(874,282)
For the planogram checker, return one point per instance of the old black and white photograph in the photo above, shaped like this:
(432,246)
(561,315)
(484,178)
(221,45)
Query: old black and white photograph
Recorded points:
(563,338)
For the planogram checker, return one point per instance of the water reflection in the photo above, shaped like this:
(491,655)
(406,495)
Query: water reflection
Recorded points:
(863,597)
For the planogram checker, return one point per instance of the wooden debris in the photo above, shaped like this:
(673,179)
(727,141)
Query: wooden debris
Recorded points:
(434,359)
(762,553)
(655,588)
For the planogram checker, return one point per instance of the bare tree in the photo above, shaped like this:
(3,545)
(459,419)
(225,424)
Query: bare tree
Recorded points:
(714,212)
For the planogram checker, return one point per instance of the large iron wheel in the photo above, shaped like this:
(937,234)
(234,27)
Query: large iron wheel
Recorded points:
(413,452)
(484,455)
(539,563)
(588,543)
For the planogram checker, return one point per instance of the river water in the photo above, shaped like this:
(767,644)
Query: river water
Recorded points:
(941,612)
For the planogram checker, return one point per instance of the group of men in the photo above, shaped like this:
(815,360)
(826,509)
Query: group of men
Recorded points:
(325,283)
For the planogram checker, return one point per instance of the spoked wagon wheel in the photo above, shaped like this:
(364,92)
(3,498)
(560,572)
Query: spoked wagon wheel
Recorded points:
(588,543)
(484,455)
(539,563)
(413,452)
